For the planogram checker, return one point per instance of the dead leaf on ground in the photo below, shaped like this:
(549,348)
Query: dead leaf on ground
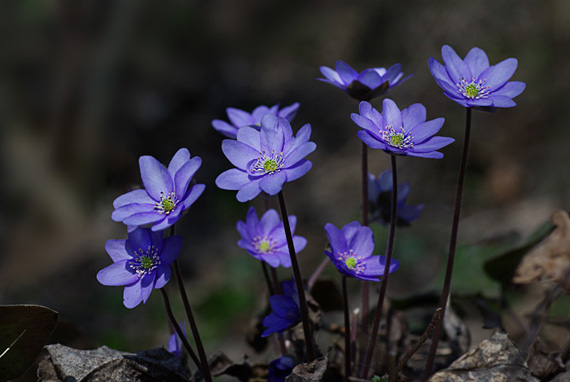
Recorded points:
(310,372)
(549,260)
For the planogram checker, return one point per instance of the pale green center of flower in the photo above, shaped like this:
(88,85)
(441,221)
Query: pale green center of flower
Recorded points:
(264,245)
(167,203)
(397,140)
(270,165)
(267,163)
(145,262)
(350,262)
(400,140)
(472,90)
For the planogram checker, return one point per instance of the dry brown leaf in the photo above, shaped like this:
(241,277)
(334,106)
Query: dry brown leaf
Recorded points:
(549,260)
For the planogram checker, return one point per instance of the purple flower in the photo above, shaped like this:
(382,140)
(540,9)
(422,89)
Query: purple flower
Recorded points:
(473,83)
(265,159)
(141,263)
(351,249)
(175,343)
(240,118)
(166,195)
(280,368)
(265,239)
(286,312)
(365,85)
(380,197)
(398,132)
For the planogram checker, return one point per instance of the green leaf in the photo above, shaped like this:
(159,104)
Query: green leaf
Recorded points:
(502,267)
(24,330)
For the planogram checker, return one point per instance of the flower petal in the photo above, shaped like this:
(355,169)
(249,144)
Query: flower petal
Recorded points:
(116,274)
(184,175)
(477,61)
(248,191)
(117,250)
(331,75)
(273,183)
(497,75)
(364,123)
(371,141)
(362,242)
(179,159)
(232,179)
(298,170)
(269,221)
(455,66)
(147,285)
(135,196)
(225,128)
(391,113)
(238,153)
(432,144)
(392,73)
(502,101)
(132,295)
(238,117)
(195,192)
(155,177)
(427,129)
(250,137)
(162,276)
(336,238)
(370,78)
(289,112)
(299,153)
(122,213)
(271,134)
(345,72)
(299,243)
(511,89)
(143,218)
(170,249)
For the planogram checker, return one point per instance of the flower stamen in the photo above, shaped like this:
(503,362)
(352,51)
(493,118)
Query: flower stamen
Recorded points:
(268,164)
(265,245)
(167,203)
(474,89)
(400,140)
(145,262)
(352,261)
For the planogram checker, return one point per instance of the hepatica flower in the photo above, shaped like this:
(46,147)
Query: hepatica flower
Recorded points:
(398,132)
(472,82)
(285,310)
(380,197)
(175,343)
(365,85)
(351,252)
(280,369)
(239,118)
(265,159)
(141,263)
(167,192)
(265,239)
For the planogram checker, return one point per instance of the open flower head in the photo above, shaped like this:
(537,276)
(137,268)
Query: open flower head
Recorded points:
(351,252)
(380,198)
(265,239)
(168,192)
(239,118)
(398,132)
(265,159)
(141,263)
(363,86)
(285,310)
(472,82)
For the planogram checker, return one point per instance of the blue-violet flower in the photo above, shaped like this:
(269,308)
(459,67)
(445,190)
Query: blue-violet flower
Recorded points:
(280,368)
(380,198)
(265,159)
(471,82)
(398,132)
(175,342)
(285,310)
(166,195)
(265,239)
(240,118)
(141,263)
(351,252)
(365,85)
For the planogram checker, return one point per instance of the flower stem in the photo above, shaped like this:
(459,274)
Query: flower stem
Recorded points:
(298,280)
(347,345)
(452,245)
(178,330)
(314,277)
(365,284)
(193,326)
(384,283)
(267,278)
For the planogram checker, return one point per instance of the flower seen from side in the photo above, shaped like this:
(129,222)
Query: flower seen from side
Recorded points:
(175,343)
(398,132)
(351,252)
(380,198)
(167,193)
(265,238)
(472,82)
(239,118)
(141,263)
(265,159)
(285,310)
(363,86)
(280,368)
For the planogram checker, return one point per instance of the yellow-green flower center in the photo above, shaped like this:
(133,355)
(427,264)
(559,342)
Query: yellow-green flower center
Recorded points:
(350,262)
(472,90)
(476,89)
(264,246)
(267,164)
(400,140)
(145,262)
(397,140)
(270,165)
(167,203)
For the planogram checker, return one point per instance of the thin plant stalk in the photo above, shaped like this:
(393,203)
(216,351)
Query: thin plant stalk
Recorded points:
(365,284)
(384,283)
(178,330)
(314,277)
(193,326)
(452,246)
(347,344)
(298,280)
(268,280)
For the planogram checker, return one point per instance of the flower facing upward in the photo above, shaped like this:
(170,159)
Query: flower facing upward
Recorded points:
(240,118)
(365,85)
(167,192)
(141,263)
(398,132)
(473,83)
(285,310)
(265,239)
(265,159)
(351,249)
(380,197)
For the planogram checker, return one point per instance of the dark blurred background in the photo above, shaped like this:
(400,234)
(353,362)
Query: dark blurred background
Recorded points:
(89,86)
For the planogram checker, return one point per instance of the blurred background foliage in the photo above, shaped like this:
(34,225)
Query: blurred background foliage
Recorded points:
(89,86)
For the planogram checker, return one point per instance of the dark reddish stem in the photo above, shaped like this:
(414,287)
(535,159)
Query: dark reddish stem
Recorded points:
(347,345)
(365,284)
(384,283)
(452,246)
(298,280)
